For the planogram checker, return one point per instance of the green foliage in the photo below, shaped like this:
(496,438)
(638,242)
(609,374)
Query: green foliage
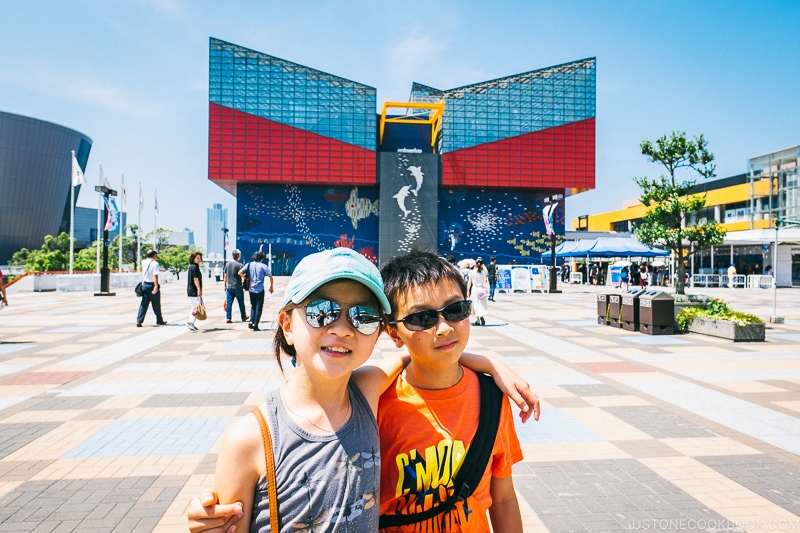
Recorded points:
(715,309)
(666,224)
(175,258)
(52,256)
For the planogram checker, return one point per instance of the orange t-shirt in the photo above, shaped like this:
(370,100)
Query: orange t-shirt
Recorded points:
(424,437)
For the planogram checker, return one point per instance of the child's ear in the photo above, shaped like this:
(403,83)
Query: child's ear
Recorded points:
(285,323)
(392,332)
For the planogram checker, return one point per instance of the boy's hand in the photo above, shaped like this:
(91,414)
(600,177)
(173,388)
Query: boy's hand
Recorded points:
(206,515)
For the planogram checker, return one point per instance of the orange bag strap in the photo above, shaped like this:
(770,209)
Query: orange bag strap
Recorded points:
(272,485)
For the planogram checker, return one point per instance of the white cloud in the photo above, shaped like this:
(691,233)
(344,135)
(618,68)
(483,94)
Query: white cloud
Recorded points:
(81,87)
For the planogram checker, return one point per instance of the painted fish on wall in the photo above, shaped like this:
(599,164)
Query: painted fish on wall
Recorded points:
(359,208)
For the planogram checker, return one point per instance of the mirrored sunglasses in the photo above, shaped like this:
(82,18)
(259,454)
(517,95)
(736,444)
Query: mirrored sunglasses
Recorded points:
(422,320)
(321,313)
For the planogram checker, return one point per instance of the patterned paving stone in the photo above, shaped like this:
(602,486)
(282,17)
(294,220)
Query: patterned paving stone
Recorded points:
(126,504)
(616,495)
(153,436)
(776,481)
(194,400)
(15,436)
(658,423)
(43,378)
(65,403)
(593,390)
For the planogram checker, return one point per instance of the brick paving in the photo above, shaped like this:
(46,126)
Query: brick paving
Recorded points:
(109,427)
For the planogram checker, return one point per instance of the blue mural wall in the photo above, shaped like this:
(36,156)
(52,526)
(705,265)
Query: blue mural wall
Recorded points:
(298,221)
(506,224)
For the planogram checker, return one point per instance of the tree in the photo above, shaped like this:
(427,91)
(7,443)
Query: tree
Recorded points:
(162,239)
(52,256)
(670,201)
(175,259)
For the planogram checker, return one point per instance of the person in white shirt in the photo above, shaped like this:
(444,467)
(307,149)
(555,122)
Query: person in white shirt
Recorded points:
(150,292)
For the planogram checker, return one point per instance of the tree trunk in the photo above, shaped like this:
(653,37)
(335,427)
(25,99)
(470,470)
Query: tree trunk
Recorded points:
(680,285)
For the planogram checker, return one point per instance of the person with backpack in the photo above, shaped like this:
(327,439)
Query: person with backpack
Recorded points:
(321,422)
(254,275)
(150,292)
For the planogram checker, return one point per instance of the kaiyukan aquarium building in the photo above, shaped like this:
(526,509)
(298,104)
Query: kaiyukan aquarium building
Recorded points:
(314,162)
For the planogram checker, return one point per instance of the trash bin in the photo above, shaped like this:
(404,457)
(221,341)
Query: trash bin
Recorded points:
(615,310)
(602,308)
(656,313)
(630,309)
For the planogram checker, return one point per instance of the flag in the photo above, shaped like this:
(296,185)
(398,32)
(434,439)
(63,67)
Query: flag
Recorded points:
(112,221)
(156,204)
(547,215)
(141,198)
(124,197)
(77,173)
(225,245)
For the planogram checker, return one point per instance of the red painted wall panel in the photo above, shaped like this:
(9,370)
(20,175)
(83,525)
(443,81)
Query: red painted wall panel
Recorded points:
(560,157)
(248,148)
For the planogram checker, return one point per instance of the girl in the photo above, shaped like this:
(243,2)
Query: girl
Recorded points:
(478,290)
(323,418)
(194,289)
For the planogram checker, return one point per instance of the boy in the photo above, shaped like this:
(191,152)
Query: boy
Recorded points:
(440,399)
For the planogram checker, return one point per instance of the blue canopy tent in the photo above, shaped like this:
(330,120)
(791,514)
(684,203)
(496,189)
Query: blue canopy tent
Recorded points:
(605,247)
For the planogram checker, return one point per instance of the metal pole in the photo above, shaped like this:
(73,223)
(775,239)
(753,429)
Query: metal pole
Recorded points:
(775,318)
(71,220)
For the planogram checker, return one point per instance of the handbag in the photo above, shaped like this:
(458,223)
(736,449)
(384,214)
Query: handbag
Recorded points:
(246,279)
(138,289)
(269,459)
(199,310)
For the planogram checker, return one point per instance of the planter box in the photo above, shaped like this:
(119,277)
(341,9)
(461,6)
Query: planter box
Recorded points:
(728,330)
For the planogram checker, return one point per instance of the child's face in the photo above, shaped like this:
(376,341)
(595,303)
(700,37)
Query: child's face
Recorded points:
(441,345)
(332,350)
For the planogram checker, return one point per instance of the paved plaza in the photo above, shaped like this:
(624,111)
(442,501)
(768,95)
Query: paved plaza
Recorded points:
(108,427)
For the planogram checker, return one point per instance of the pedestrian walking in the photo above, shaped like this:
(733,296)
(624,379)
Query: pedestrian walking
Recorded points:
(4,301)
(150,289)
(478,291)
(257,273)
(233,287)
(194,288)
(492,273)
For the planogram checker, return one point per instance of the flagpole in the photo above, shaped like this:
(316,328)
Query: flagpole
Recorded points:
(122,210)
(139,233)
(99,208)
(155,221)
(71,217)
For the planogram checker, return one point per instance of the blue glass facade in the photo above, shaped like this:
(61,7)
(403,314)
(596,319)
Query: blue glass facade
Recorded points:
(292,94)
(514,105)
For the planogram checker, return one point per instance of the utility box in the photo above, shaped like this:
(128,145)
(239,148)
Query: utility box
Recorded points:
(615,310)
(602,308)
(630,309)
(656,313)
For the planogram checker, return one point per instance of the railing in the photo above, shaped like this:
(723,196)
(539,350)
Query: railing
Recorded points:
(575,277)
(706,280)
(760,282)
(739,281)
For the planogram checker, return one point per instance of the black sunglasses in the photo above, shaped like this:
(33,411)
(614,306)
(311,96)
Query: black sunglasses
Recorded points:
(321,313)
(422,320)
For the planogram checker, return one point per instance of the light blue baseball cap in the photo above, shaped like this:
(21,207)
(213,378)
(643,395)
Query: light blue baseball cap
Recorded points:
(317,269)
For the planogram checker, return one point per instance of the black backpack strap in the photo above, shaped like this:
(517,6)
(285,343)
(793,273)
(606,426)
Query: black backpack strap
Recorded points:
(474,465)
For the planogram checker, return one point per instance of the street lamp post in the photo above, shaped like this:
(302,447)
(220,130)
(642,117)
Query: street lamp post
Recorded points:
(224,247)
(105,273)
(548,212)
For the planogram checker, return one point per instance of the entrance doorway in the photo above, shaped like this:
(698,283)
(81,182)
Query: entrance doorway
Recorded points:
(795,270)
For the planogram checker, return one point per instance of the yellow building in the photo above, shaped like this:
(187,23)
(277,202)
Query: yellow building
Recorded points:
(747,206)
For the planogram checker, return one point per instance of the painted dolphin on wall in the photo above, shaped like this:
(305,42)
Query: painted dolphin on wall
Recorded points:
(401,199)
(419,176)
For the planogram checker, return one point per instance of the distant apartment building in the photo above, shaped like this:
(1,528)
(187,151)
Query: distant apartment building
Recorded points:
(217,219)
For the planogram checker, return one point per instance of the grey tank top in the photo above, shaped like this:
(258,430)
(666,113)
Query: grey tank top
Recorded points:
(326,483)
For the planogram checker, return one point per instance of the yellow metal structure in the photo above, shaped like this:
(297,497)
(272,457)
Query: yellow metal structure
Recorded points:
(432,113)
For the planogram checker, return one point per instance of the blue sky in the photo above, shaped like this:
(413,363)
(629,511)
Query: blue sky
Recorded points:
(133,75)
